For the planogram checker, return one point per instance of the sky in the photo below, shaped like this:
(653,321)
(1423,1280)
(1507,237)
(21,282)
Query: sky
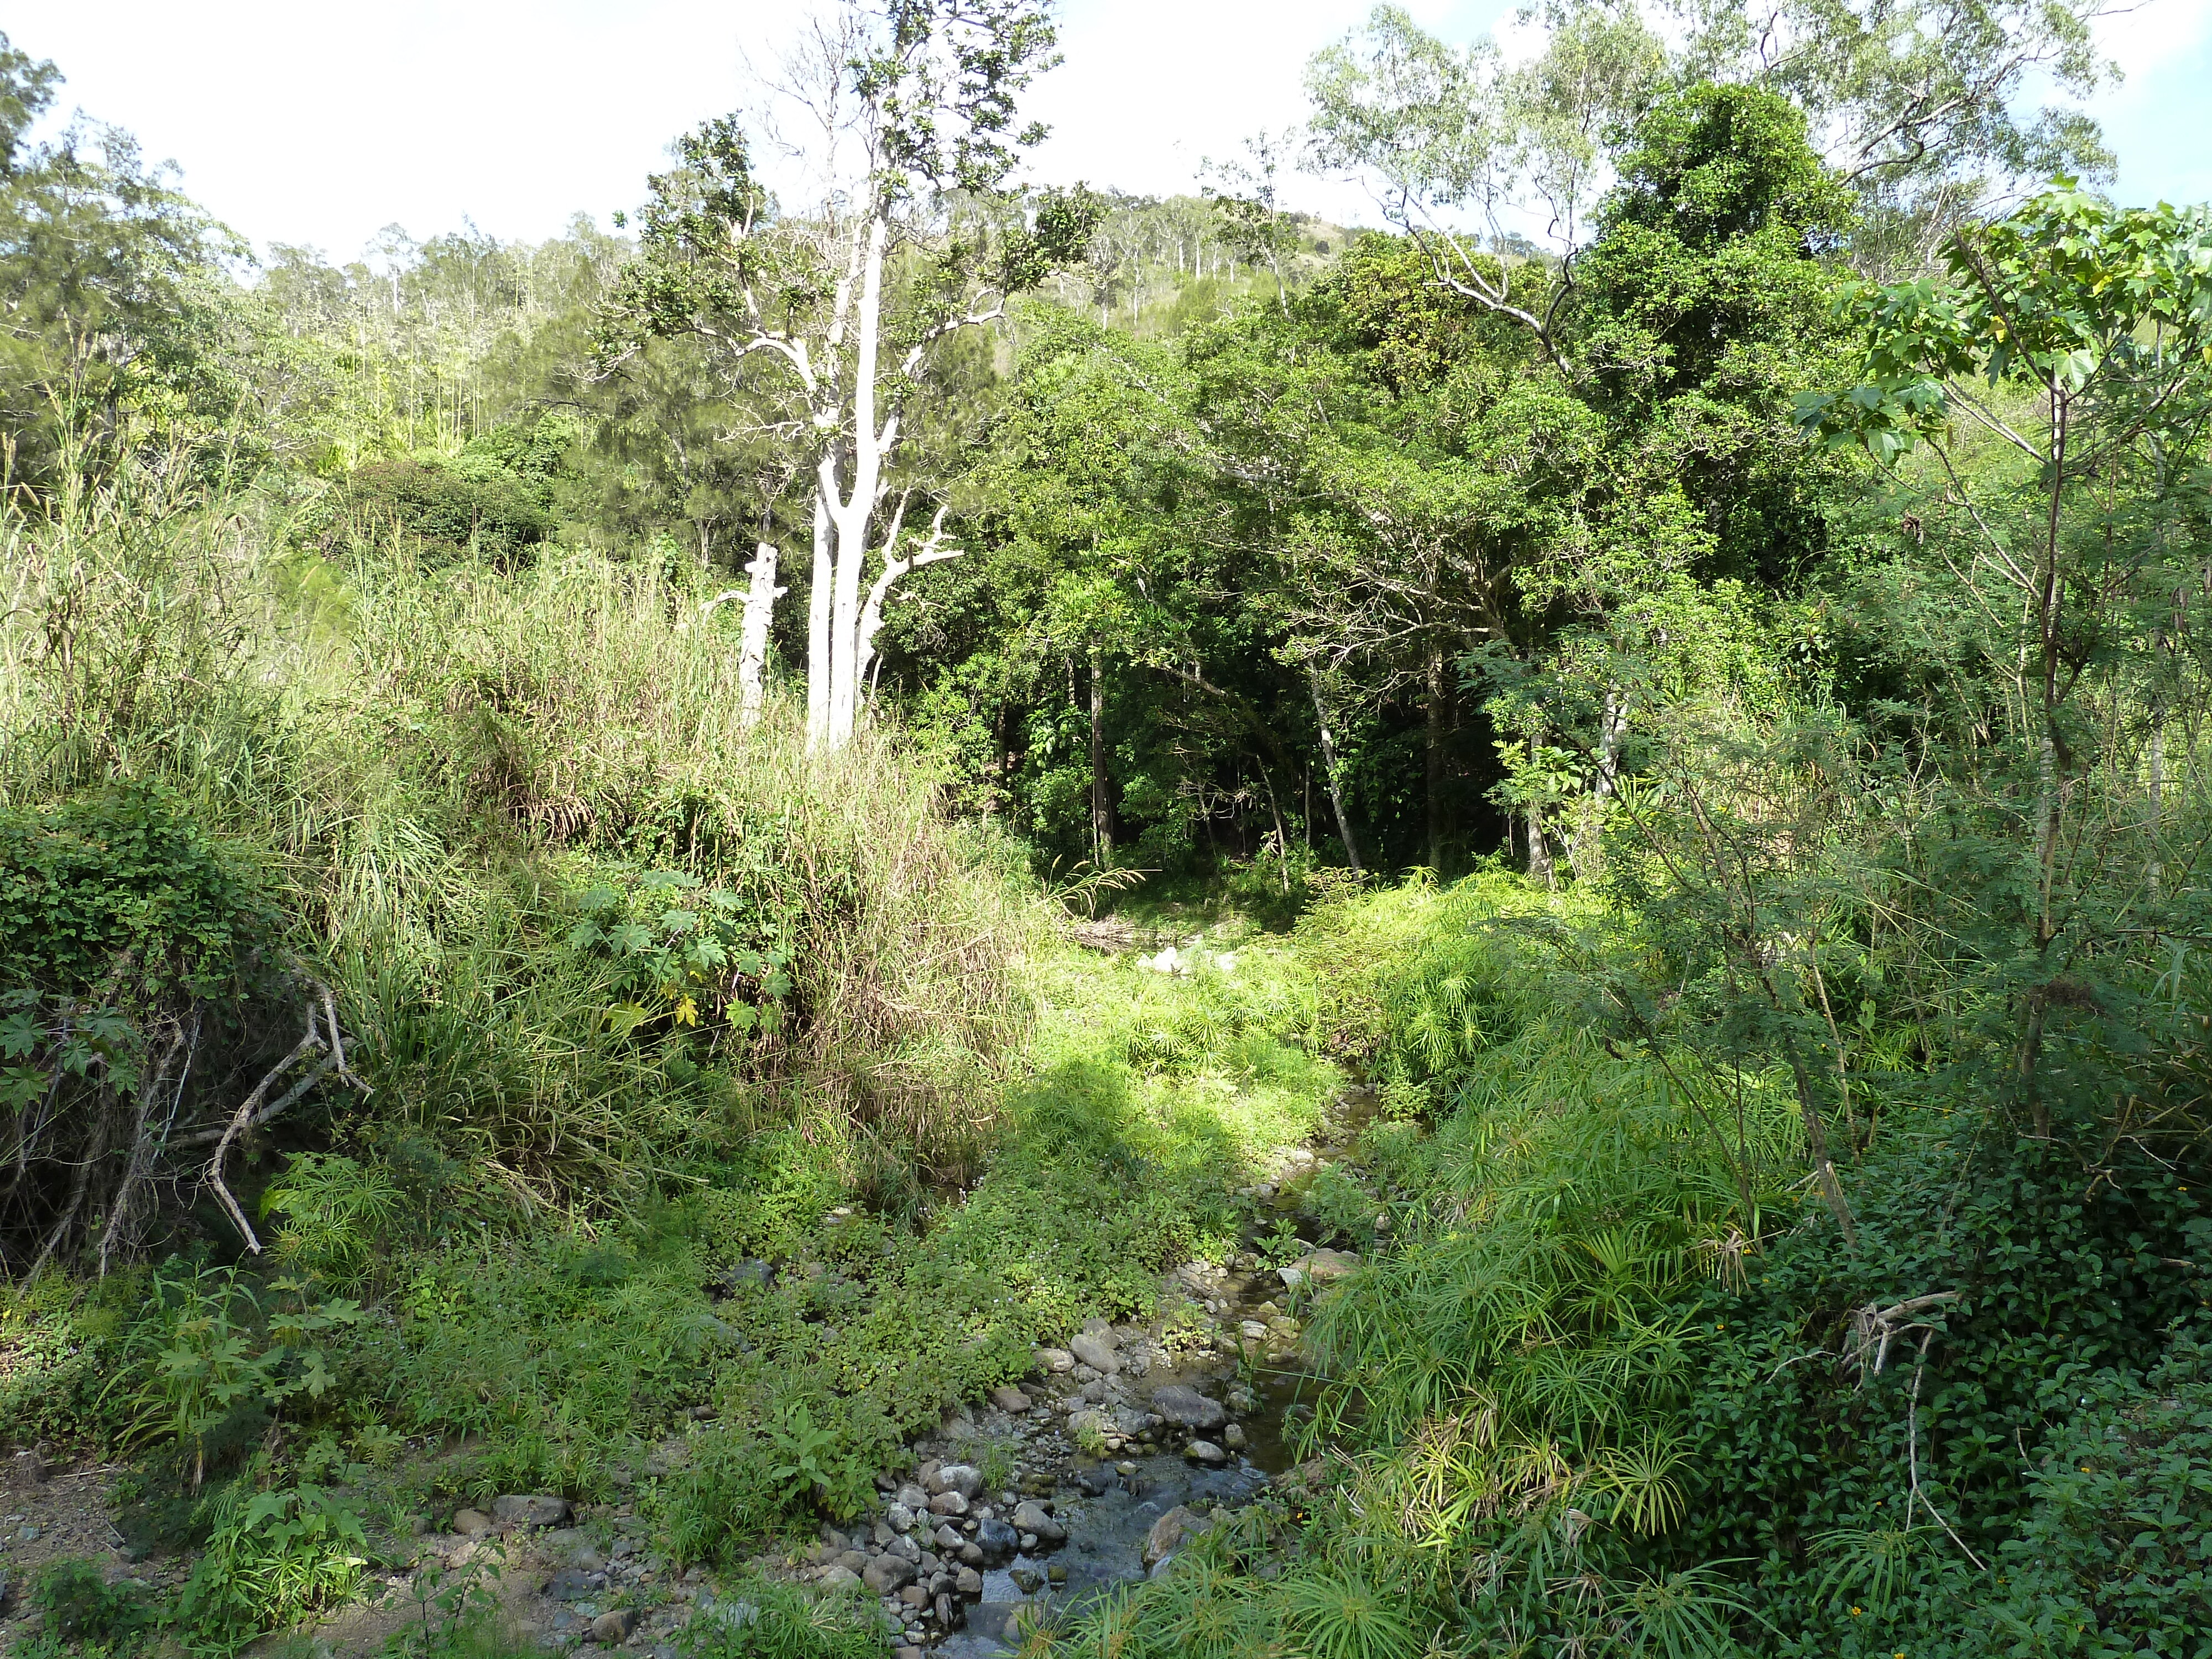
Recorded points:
(322,125)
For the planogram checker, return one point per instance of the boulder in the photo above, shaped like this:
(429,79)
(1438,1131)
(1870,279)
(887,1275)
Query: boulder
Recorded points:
(1031,1517)
(534,1509)
(471,1524)
(612,1628)
(964,1477)
(886,1574)
(1169,1532)
(1096,1351)
(1187,1408)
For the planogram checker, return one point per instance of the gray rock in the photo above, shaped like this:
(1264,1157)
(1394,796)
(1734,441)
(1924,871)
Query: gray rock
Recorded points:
(839,1578)
(915,1597)
(900,1517)
(964,1477)
(945,1610)
(1096,1351)
(907,1653)
(535,1510)
(575,1585)
(948,1503)
(996,1540)
(1031,1517)
(887,1573)
(1233,1436)
(1187,1408)
(26,1469)
(913,1496)
(853,1561)
(969,1583)
(612,1628)
(1205,1451)
(1058,1361)
(471,1524)
(1169,1531)
(948,1537)
(1008,1398)
(905,1549)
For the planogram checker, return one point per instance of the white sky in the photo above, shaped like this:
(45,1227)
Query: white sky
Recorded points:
(317,123)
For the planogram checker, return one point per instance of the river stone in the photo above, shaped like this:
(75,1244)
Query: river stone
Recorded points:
(1095,1352)
(905,1549)
(1169,1532)
(915,1597)
(535,1510)
(887,1573)
(1233,1436)
(574,1585)
(1008,1398)
(471,1524)
(913,1496)
(853,1561)
(969,1581)
(996,1540)
(900,1516)
(1084,1423)
(612,1628)
(1058,1361)
(948,1536)
(1205,1451)
(1031,1517)
(948,1503)
(963,1478)
(945,1610)
(1323,1268)
(1187,1408)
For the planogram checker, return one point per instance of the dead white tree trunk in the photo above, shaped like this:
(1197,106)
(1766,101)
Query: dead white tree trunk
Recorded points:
(752,641)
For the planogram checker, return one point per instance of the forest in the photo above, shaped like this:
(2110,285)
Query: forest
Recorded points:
(901,910)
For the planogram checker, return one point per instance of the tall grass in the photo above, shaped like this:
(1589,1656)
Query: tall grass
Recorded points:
(430,764)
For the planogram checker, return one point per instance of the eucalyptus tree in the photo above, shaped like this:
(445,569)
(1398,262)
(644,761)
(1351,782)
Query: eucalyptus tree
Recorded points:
(909,241)
(119,320)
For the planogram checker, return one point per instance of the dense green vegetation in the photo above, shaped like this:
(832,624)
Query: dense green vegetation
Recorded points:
(545,799)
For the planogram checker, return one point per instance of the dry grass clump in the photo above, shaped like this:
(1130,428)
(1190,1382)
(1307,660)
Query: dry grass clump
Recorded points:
(431,765)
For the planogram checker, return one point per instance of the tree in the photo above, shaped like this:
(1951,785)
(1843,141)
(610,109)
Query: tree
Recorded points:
(114,313)
(912,241)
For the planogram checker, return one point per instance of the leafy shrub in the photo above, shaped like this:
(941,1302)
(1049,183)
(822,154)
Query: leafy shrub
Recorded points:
(334,1212)
(445,515)
(761,1618)
(273,1559)
(208,1362)
(121,921)
(81,1605)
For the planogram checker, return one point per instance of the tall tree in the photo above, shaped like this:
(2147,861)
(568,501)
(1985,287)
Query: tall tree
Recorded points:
(911,241)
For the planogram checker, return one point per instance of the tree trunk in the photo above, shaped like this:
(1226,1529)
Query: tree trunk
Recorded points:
(1329,771)
(752,639)
(818,614)
(1540,850)
(1439,715)
(1102,812)
(853,515)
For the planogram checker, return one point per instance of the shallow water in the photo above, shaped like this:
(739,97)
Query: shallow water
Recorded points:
(1105,1544)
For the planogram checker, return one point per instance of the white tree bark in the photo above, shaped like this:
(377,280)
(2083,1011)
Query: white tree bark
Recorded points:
(752,641)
